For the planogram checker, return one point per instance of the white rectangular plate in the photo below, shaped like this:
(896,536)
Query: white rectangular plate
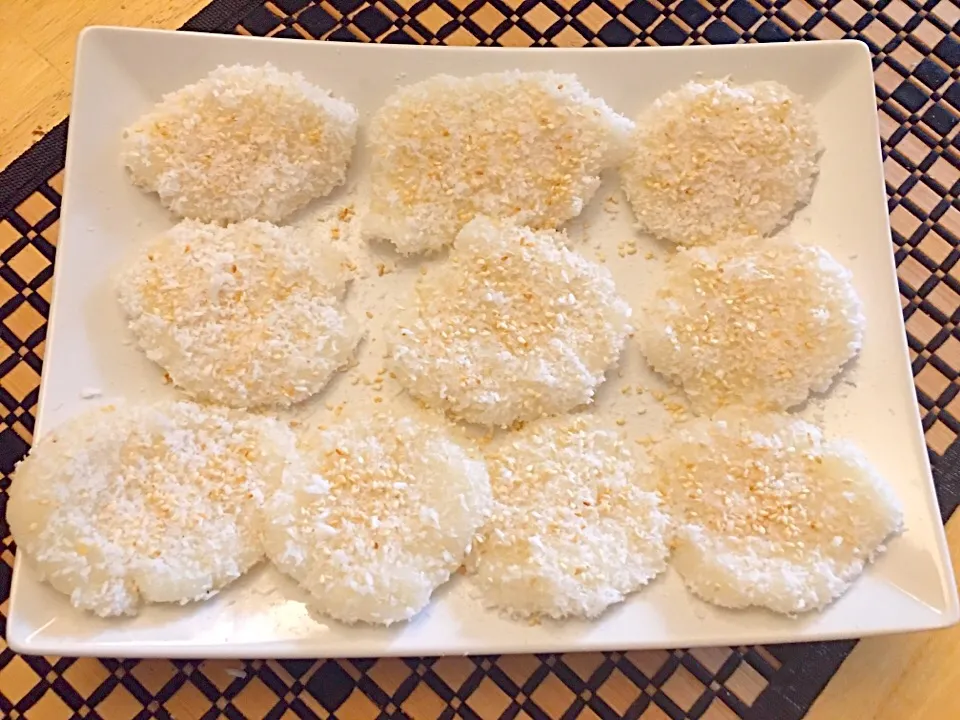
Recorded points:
(120,73)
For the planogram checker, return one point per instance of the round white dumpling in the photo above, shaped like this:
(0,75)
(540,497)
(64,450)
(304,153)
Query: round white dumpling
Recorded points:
(128,504)
(383,512)
(714,161)
(243,142)
(575,525)
(513,326)
(246,315)
(757,323)
(528,147)
(771,514)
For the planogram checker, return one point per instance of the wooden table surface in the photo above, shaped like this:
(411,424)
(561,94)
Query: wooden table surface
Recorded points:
(900,677)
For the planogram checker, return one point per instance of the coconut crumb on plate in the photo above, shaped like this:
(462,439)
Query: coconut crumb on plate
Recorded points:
(512,327)
(383,511)
(714,160)
(127,504)
(769,513)
(243,142)
(752,322)
(247,315)
(575,526)
(525,146)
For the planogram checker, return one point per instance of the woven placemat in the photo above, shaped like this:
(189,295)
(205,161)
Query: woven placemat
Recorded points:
(916,49)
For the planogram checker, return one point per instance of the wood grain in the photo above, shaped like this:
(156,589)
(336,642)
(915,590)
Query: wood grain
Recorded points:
(37,44)
(899,677)
(891,678)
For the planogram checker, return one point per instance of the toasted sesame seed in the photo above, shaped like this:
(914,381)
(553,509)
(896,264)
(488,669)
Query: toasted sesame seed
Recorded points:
(243,142)
(714,161)
(247,315)
(522,146)
(383,511)
(574,526)
(496,341)
(759,323)
(760,499)
(126,504)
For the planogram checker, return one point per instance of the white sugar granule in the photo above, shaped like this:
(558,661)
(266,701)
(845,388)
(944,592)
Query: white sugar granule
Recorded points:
(246,316)
(385,509)
(713,161)
(752,322)
(769,513)
(128,504)
(525,146)
(513,326)
(243,142)
(575,526)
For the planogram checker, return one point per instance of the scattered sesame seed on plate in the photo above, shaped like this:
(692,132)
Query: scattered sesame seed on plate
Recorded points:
(525,146)
(127,504)
(513,326)
(575,525)
(243,142)
(714,160)
(752,322)
(770,513)
(247,315)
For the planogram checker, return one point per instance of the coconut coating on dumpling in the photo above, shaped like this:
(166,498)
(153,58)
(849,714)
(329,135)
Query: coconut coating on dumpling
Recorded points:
(243,142)
(384,511)
(126,504)
(770,513)
(513,326)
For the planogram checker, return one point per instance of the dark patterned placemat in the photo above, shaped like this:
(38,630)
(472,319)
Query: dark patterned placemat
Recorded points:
(916,49)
